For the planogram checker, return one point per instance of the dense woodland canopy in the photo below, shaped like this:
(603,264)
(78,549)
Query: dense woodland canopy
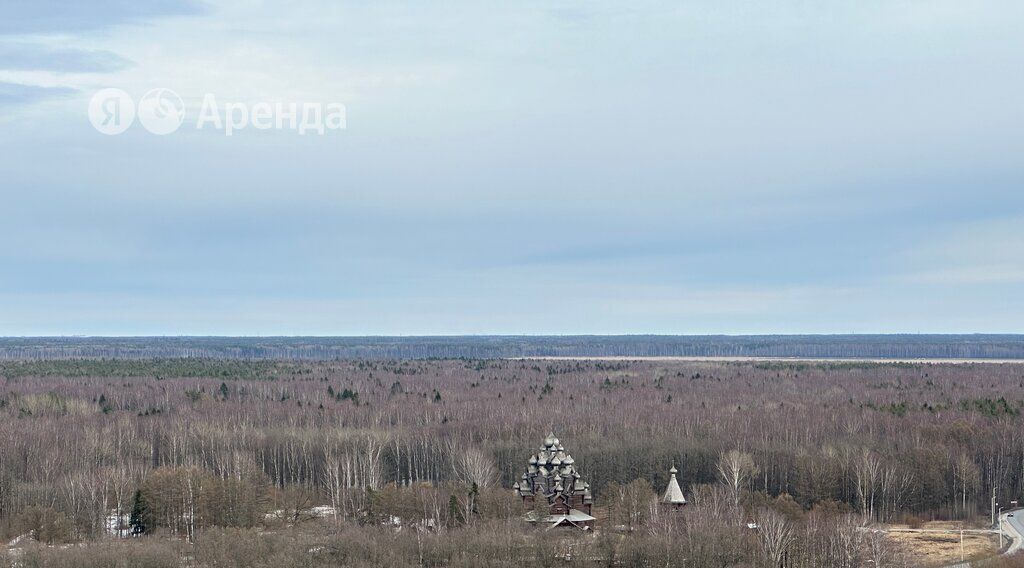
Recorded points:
(915,346)
(200,457)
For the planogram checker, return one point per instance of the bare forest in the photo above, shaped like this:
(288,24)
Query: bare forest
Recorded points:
(890,346)
(199,462)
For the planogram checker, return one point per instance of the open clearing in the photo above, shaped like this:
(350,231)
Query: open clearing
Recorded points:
(943,549)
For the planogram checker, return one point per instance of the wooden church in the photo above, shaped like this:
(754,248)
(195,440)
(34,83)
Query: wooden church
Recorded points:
(551,475)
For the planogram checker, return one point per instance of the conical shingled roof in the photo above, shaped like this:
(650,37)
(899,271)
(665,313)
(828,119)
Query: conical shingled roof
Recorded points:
(673,495)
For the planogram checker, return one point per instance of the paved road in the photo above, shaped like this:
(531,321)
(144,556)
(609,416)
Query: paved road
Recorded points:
(1013,526)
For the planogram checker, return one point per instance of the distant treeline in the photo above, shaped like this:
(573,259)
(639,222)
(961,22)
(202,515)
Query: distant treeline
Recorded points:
(492,347)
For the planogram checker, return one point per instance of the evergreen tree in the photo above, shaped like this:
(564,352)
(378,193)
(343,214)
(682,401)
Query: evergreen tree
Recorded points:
(474,493)
(454,512)
(137,520)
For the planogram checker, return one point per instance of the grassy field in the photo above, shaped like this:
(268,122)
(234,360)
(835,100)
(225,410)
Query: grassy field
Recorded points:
(944,548)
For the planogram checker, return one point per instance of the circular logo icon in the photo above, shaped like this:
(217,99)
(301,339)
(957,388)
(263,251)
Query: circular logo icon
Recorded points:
(161,111)
(111,111)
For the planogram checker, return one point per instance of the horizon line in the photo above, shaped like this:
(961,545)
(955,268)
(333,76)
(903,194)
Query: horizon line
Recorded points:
(510,335)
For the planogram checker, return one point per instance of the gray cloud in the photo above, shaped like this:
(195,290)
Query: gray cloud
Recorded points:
(31,17)
(19,56)
(16,93)
(18,17)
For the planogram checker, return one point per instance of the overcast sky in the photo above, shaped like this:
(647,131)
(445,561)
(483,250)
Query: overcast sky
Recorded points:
(526,167)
